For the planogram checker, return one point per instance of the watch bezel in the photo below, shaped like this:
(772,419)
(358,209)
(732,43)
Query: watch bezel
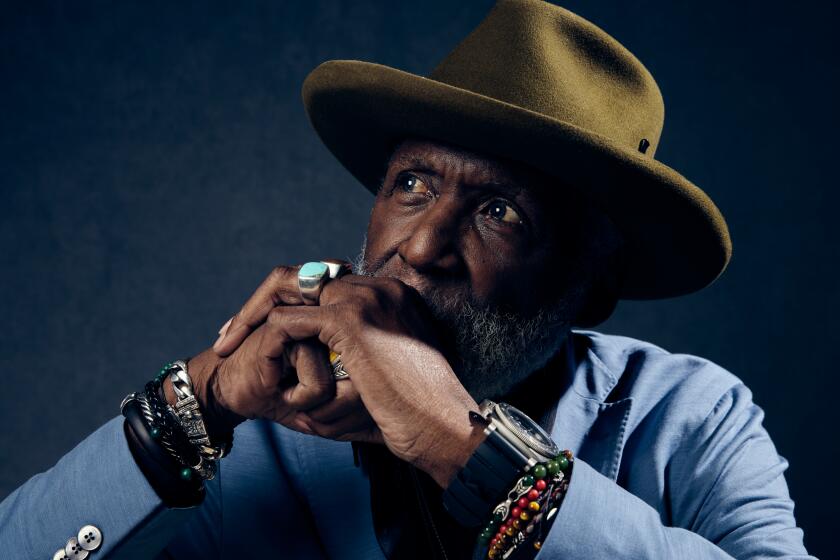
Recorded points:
(500,411)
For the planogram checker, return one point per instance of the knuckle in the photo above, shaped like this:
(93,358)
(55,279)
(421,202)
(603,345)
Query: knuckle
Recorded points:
(276,315)
(367,294)
(278,274)
(313,394)
(320,391)
(348,310)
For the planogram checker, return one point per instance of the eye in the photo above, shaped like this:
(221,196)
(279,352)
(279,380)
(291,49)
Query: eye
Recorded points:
(406,182)
(504,212)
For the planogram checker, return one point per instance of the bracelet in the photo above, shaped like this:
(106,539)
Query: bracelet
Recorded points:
(178,433)
(157,465)
(188,413)
(163,431)
(529,509)
(172,437)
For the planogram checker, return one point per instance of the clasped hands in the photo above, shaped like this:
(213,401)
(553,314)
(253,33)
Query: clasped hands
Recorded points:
(271,362)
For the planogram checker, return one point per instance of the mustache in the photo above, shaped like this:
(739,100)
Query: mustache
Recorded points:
(490,348)
(441,293)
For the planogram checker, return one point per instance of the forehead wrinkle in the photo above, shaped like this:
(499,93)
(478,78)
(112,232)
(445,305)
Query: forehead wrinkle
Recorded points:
(489,173)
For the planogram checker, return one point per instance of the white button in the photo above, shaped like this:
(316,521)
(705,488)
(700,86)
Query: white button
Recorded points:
(74,550)
(89,537)
(60,555)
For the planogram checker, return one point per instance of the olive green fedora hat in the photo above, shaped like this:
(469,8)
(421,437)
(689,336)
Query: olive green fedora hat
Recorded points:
(538,84)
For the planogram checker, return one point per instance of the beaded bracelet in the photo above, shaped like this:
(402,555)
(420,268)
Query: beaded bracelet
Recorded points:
(529,508)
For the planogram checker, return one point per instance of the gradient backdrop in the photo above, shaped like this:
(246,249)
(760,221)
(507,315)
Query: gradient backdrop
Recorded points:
(156,162)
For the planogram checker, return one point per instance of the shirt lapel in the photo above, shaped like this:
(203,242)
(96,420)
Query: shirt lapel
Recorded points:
(592,428)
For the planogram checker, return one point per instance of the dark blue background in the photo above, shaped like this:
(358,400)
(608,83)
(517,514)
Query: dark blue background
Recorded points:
(156,162)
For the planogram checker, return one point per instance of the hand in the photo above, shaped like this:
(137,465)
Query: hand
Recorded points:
(384,335)
(316,404)
(249,384)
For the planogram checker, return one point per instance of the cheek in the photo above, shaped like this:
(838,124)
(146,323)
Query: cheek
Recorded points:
(522,278)
(496,270)
(384,234)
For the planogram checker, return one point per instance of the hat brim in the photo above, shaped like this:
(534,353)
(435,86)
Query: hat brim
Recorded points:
(676,240)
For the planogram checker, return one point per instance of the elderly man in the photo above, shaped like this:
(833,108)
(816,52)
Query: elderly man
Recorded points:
(437,402)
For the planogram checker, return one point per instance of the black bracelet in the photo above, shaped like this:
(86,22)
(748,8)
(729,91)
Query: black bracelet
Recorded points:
(174,465)
(159,468)
(169,431)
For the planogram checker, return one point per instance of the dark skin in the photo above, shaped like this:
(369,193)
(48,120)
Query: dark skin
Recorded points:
(450,220)
(446,219)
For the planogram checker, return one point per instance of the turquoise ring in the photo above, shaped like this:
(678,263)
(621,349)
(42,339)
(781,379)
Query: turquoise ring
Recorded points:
(313,275)
(311,279)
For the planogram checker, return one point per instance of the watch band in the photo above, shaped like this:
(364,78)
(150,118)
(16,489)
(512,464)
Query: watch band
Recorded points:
(485,479)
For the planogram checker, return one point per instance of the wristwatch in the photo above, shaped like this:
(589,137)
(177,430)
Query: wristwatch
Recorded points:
(513,446)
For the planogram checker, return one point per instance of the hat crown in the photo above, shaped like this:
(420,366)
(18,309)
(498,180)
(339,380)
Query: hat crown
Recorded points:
(541,57)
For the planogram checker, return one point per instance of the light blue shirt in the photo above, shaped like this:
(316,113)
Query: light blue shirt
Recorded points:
(671,462)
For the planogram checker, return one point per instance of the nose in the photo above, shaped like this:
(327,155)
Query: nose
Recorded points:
(433,245)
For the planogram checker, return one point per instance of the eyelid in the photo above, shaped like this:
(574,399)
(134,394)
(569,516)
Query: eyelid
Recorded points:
(523,220)
(417,175)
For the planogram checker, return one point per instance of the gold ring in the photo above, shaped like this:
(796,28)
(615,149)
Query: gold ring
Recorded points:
(338,368)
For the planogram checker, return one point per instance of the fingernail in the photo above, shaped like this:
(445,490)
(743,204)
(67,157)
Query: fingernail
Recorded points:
(219,340)
(222,334)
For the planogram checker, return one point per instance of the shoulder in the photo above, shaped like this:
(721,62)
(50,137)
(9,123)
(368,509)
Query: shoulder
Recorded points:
(676,384)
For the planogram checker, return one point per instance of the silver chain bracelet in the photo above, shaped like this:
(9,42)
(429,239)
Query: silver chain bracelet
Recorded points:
(188,413)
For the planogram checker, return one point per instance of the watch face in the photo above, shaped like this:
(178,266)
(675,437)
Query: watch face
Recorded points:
(527,430)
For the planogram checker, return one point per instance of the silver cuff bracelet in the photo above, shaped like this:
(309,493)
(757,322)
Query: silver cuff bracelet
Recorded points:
(189,415)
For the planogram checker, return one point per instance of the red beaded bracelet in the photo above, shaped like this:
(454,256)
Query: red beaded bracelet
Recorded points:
(529,509)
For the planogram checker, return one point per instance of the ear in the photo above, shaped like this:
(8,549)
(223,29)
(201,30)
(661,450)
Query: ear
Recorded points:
(599,305)
(602,295)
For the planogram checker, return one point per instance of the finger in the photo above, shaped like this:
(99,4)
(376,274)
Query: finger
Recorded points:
(353,427)
(346,401)
(316,384)
(224,329)
(338,290)
(271,370)
(370,286)
(286,325)
(300,423)
(279,288)
(274,290)
(361,279)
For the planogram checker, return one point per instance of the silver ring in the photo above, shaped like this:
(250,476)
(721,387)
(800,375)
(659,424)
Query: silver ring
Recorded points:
(337,366)
(337,268)
(311,279)
(313,275)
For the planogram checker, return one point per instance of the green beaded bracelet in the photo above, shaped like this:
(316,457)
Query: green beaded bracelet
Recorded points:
(529,508)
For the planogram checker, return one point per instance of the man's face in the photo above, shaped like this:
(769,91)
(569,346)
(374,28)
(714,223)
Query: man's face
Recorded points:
(497,250)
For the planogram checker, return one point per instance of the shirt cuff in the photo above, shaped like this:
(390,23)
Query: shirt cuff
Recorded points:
(97,483)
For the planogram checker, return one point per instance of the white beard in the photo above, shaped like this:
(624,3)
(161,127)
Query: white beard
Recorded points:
(494,350)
